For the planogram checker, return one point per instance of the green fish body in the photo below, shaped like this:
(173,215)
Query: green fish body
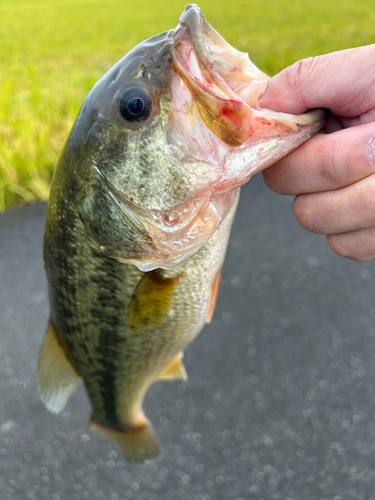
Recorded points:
(139,216)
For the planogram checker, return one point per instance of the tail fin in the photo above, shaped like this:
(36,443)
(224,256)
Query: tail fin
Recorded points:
(139,443)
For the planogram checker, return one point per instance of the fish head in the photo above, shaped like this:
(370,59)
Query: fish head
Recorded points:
(165,138)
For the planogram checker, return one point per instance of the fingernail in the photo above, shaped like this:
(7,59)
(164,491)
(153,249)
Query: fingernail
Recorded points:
(371,151)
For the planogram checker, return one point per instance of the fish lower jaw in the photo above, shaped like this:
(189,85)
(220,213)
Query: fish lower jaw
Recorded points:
(170,250)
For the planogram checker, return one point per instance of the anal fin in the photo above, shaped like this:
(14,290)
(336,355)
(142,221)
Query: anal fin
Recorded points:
(139,442)
(213,298)
(57,379)
(175,369)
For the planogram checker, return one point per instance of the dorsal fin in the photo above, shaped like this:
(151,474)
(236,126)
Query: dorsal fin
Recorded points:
(57,379)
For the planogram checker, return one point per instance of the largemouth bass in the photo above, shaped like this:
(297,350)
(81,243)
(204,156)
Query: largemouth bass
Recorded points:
(139,215)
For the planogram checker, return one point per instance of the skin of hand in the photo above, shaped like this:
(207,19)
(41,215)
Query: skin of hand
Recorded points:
(332,174)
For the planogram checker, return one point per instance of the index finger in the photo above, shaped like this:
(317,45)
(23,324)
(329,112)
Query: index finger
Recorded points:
(342,82)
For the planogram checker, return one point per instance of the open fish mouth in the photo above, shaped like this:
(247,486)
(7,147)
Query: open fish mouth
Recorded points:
(215,129)
(213,70)
(226,85)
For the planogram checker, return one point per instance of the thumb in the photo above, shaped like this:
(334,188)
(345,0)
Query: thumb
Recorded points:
(340,81)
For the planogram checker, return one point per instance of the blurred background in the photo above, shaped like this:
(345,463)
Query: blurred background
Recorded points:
(52,52)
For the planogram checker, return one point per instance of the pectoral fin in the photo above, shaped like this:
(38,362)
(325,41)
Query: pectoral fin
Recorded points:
(175,369)
(57,379)
(151,301)
(213,298)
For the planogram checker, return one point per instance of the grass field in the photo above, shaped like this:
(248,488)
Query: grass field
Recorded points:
(52,52)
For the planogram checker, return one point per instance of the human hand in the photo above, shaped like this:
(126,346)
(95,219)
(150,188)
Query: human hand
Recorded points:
(332,174)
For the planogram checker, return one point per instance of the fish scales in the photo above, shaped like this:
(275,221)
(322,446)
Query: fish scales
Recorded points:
(92,299)
(140,210)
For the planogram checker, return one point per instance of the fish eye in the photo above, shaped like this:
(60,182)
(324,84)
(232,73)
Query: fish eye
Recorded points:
(135,104)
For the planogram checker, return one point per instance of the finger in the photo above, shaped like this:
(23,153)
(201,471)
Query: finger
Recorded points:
(331,212)
(341,81)
(325,162)
(356,245)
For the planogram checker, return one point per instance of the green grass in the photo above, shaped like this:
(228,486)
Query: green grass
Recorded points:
(52,52)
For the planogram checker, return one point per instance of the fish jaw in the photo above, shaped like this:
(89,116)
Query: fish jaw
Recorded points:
(265,148)
(167,183)
(215,123)
(170,238)
(215,107)
(203,59)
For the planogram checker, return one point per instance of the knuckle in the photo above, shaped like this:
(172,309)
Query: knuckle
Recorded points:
(306,213)
(334,166)
(343,166)
(342,245)
(359,100)
(338,165)
(299,76)
(337,245)
(367,199)
(271,179)
(301,211)
(326,157)
(297,72)
(303,75)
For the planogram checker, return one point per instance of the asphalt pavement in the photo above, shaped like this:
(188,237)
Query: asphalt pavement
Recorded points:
(280,401)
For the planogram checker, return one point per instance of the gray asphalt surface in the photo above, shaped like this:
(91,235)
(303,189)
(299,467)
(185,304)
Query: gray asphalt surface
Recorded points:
(280,402)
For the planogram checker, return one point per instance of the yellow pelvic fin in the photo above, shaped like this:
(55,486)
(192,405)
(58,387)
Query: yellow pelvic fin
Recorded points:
(151,301)
(139,442)
(175,369)
(57,379)
(213,298)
